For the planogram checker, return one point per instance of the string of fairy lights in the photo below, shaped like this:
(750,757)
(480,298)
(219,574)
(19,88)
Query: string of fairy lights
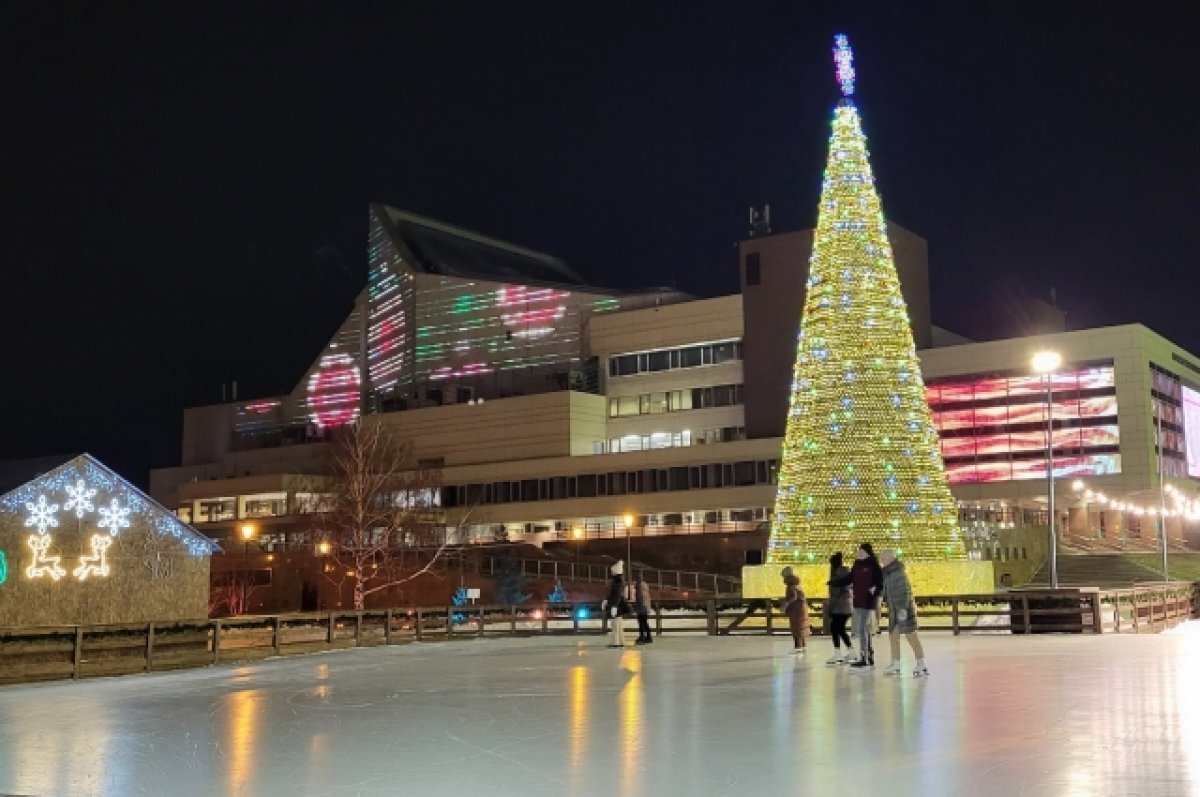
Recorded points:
(1180,506)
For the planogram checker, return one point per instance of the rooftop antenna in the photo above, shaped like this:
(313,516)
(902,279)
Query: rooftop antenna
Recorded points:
(760,221)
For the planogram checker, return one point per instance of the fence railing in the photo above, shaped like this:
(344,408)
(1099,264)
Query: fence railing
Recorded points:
(562,570)
(32,654)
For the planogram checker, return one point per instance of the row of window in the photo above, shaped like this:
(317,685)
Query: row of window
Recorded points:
(695,398)
(592,485)
(646,442)
(666,359)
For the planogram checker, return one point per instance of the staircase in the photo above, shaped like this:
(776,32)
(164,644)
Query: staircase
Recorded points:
(1095,570)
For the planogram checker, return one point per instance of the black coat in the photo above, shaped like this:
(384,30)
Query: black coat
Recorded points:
(616,596)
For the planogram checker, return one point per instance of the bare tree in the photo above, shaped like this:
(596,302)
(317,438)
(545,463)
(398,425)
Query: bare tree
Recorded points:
(378,513)
(231,593)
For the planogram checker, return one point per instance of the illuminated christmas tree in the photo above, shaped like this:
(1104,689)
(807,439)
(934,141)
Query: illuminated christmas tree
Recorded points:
(860,456)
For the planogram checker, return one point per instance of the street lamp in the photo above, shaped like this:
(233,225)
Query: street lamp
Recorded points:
(577,534)
(1047,363)
(628,525)
(247,535)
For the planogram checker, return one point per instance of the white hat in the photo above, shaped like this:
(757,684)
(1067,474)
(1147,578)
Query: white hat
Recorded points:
(619,568)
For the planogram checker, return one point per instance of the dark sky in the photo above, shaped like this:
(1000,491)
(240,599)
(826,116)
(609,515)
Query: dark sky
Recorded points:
(184,185)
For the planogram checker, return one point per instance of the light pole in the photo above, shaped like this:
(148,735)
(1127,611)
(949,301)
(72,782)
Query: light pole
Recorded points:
(1162,495)
(628,519)
(247,536)
(247,530)
(577,534)
(1047,363)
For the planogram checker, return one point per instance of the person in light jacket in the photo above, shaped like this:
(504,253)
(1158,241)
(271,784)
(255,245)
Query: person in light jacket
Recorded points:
(902,613)
(795,606)
(642,607)
(837,610)
(615,606)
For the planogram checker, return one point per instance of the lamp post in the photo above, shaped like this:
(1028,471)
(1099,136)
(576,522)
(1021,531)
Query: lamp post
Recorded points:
(1047,363)
(1162,495)
(247,535)
(628,519)
(577,534)
(247,530)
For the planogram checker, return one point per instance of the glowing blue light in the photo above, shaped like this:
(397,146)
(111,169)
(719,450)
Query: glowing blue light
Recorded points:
(581,613)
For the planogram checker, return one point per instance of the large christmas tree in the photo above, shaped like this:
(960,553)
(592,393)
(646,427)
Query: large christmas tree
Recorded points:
(860,456)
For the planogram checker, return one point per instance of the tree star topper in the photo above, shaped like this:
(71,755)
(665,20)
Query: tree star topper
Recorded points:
(843,58)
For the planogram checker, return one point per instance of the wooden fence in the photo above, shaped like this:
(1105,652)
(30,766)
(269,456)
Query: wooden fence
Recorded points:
(33,654)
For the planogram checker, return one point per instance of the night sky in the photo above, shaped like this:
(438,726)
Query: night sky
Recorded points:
(185,185)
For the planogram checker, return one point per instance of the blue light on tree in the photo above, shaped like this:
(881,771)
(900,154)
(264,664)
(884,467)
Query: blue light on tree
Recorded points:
(558,594)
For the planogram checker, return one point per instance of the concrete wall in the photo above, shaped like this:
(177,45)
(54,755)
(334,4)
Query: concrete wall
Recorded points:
(152,577)
(556,424)
(684,324)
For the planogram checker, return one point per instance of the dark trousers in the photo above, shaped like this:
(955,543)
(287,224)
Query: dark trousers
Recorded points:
(837,630)
(643,626)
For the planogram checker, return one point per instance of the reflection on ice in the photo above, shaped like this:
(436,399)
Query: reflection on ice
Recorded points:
(1041,715)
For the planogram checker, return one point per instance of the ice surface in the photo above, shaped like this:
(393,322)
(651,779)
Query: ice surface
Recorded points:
(694,716)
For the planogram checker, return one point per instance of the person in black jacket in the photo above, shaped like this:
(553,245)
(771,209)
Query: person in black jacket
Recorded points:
(838,610)
(866,577)
(615,606)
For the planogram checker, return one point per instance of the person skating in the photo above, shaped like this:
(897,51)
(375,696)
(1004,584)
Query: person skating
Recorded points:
(866,579)
(642,607)
(795,606)
(837,610)
(615,606)
(902,614)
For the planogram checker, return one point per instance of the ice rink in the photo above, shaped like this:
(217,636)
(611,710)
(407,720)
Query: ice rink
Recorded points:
(1045,715)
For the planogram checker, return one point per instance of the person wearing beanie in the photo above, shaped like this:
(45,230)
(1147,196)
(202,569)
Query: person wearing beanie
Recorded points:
(866,579)
(902,613)
(795,606)
(615,606)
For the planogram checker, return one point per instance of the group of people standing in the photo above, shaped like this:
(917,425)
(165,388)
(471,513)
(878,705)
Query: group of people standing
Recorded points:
(619,601)
(858,592)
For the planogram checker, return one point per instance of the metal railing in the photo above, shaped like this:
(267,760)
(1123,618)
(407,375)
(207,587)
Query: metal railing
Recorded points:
(564,570)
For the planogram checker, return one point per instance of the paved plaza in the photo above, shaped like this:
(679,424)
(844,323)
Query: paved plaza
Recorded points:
(1046,715)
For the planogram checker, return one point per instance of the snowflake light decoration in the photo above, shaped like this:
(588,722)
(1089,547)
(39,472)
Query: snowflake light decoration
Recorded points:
(79,498)
(114,517)
(41,515)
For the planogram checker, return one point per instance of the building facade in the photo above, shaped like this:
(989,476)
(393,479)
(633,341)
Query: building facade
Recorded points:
(555,410)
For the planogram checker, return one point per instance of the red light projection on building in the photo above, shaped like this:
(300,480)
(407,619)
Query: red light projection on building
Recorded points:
(333,391)
(530,312)
(994,428)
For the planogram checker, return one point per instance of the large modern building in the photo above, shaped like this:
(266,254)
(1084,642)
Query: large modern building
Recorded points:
(555,409)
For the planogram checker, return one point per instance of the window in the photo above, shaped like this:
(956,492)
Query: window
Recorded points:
(658,361)
(753,269)
(212,510)
(724,352)
(690,358)
(665,359)
(678,400)
(266,505)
